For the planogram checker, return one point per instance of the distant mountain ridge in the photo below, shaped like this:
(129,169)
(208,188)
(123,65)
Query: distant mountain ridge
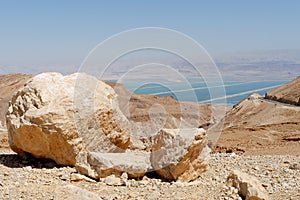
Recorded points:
(239,67)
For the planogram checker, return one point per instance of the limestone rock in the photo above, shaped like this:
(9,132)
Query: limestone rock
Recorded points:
(78,177)
(100,165)
(249,187)
(294,166)
(70,192)
(253,97)
(113,181)
(180,154)
(56,117)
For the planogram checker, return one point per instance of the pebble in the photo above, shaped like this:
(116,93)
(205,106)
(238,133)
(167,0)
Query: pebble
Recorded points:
(285,185)
(294,166)
(113,181)
(79,177)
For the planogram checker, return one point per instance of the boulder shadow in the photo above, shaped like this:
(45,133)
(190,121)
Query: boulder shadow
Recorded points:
(15,161)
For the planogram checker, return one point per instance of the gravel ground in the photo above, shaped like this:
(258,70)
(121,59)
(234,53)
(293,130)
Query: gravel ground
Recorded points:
(41,179)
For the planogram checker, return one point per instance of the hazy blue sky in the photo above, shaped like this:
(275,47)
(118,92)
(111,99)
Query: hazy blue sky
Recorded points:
(61,33)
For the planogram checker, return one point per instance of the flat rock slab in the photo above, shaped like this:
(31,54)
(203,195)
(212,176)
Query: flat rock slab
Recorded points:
(100,165)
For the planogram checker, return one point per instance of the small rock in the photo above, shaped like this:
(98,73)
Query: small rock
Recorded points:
(144,182)
(132,183)
(271,191)
(17,184)
(124,176)
(295,166)
(179,184)
(225,187)
(28,168)
(65,177)
(235,191)
(79,177)
(248,186)
(232,154)
(216,178)
(285,185)
(113,181)
(195,183)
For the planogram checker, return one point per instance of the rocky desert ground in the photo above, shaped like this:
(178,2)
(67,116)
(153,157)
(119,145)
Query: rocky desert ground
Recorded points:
(259,149)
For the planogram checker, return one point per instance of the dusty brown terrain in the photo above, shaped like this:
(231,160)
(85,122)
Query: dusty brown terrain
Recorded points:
(252,127)
(287,93)
(9,84)
(138,107)
(257,126)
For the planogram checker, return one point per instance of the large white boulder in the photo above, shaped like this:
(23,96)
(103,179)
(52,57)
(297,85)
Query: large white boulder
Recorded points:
(56,117)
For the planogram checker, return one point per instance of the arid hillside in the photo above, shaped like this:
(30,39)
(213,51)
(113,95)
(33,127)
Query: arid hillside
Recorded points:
(264,125)
(144,108)
(287,93)
(9,84)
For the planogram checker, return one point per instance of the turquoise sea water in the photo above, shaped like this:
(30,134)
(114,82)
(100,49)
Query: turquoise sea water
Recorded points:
(228,93)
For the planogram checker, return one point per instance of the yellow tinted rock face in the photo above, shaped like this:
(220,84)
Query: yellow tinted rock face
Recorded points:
(56,117)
